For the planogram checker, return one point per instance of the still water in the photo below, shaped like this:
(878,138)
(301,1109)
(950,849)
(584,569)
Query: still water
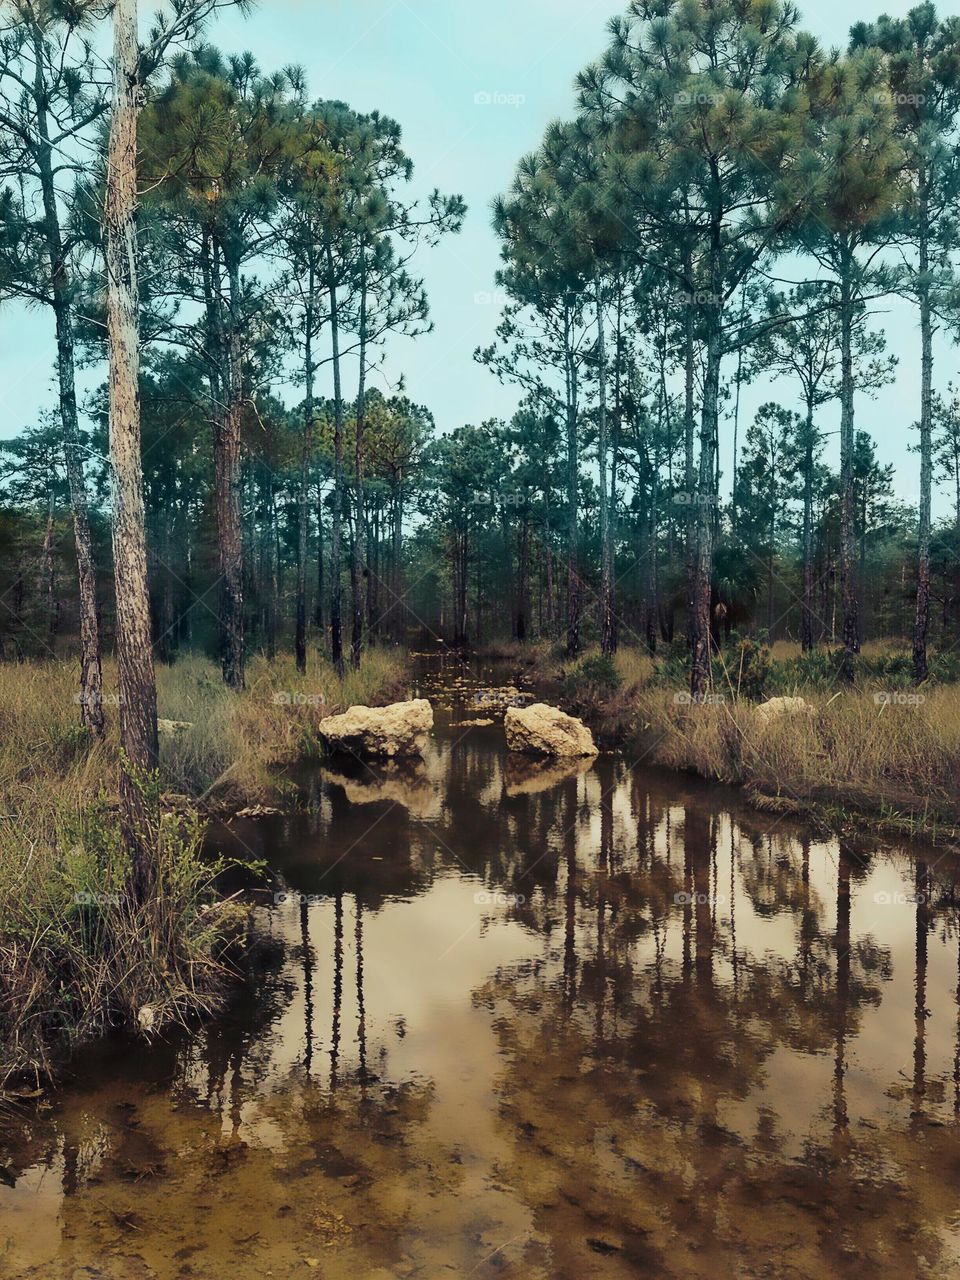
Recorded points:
(538,1022)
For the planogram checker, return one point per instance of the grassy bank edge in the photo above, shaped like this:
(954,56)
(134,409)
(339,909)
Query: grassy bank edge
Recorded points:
(879,754)
(75,958)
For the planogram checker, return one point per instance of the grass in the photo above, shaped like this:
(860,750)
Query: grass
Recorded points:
(234,742)
(75,957)
(877,749)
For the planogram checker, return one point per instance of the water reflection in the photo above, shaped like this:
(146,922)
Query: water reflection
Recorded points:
(539,1023)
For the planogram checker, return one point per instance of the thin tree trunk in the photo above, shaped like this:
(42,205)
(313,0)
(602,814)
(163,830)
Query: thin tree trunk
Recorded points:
(227,482)
(166,640)
(318,607)
(606,549)
(336,551)
(689,483)
(272,567)
(806,614)
(573,482)
(360,531)
(396,605)
(653,577)
(700,675)
(303,495)
(91,676)
(47,584)
(921,624)
(848,577)
(137,685)
(522,623)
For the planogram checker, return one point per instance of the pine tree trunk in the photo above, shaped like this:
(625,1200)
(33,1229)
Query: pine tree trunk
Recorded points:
(396,606)
(166,622)
(848,576)
(653,576)
(318,606)
(921,624)
(522,624)
(303,495)
(701,675)
(360,531)
(227,486)
(91,676)
(548,563)
(137,686)
(573,483)
(272,567)
(689,483)
(47,581)
(806,613)
(606,548)
(336,536)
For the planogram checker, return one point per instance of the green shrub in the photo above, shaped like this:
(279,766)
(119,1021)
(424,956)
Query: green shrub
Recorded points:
(592,681)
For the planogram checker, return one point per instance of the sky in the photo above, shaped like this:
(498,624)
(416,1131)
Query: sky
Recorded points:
(473,86)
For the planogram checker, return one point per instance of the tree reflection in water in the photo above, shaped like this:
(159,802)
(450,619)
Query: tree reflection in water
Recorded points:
(580,1021)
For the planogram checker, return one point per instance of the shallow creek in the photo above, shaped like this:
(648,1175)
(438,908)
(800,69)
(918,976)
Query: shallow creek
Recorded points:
(528,1021)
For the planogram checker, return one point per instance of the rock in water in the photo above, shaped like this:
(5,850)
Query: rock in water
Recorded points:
(547,731)
(398,730)
(774,708)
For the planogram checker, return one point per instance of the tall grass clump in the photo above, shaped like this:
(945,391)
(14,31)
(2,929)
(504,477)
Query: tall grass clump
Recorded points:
(77,955)
(888,753)
(226,744)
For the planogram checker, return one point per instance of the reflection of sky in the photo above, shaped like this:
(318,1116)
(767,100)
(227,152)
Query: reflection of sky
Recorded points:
(423,62)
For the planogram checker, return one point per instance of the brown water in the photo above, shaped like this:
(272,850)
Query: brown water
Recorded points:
(530,1023)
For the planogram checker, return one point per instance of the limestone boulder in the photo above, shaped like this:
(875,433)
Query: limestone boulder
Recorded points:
(542,730)
(380,732)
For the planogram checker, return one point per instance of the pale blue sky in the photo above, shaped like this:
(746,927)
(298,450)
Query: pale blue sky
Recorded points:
(425,62)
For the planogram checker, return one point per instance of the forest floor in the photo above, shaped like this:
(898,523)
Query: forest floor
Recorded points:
(74,958)
(878,751)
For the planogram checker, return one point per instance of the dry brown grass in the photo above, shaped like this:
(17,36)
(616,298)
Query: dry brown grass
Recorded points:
(899,759)
(75,958)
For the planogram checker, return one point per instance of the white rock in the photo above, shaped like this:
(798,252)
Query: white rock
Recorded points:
(774,708)
(398,730)
(547,731)
(173,728)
